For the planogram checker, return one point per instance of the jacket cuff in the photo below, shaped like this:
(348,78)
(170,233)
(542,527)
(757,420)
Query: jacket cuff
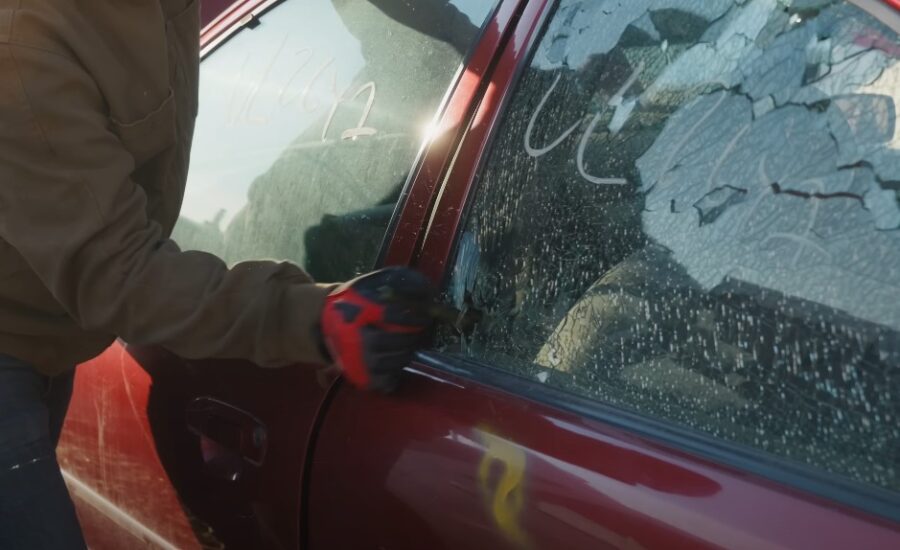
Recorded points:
(302,335)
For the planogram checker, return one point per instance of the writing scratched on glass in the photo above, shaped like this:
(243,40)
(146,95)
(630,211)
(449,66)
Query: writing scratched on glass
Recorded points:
(617,101)
(764,189)
(296,89)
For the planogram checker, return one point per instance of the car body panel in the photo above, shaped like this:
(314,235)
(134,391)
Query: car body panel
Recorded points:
(450,463)
(415,206)
(201,493)
(136,470)
(455,459)
(450,208)
(109,460)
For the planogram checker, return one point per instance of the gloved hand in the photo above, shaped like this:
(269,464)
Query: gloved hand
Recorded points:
(372,325)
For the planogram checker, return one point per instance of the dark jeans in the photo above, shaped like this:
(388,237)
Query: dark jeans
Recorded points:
(36,511)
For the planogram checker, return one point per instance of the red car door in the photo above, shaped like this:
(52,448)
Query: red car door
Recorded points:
(677,223)
(312,116)
(210,9)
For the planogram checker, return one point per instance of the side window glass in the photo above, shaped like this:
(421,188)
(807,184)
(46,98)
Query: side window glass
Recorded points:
(309,124)
(691,211)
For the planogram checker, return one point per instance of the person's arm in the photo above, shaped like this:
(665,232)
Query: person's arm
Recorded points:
(69,207)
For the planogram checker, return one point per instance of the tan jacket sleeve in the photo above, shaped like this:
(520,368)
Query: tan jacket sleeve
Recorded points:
(68,206)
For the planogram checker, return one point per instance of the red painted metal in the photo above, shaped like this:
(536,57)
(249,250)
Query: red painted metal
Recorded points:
(435,465)
(211,9)
(448,463)
(126,444)
(124,451)
(267,499)
(107,444)
(439,151)
(448,212)
(129,406)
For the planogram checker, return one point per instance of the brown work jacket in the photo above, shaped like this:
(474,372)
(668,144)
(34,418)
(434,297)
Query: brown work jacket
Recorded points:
(97,106)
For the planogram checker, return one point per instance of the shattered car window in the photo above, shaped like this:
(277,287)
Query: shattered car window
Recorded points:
(691,211)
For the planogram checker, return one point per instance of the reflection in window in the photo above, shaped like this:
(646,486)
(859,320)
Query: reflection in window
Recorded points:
(309,124)
(692,211)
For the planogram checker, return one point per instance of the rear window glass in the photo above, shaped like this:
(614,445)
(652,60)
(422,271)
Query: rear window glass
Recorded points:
(310,120)
(691,211)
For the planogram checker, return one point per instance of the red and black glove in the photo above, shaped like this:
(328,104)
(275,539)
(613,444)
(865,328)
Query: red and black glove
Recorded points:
(372,325)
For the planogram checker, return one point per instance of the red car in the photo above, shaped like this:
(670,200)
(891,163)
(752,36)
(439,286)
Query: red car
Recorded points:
(672,230)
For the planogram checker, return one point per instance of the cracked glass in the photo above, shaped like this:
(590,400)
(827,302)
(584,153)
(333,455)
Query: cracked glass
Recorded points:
(691,211)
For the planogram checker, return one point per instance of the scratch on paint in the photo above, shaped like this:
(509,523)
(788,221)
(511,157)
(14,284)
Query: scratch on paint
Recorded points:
(100,415)
(506,498)
(82,492)
(126,383)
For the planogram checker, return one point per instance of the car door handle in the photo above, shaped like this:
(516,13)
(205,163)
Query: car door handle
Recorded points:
(229,437)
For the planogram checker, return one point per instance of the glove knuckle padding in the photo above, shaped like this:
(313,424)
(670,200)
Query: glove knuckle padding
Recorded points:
(372,324)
